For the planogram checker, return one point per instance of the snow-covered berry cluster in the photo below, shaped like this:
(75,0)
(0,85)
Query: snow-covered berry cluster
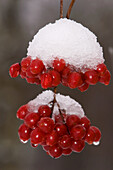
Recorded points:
(34,71)
(59,134)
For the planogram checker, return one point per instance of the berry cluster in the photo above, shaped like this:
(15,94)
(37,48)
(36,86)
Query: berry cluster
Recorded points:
(35,72)
(59,135)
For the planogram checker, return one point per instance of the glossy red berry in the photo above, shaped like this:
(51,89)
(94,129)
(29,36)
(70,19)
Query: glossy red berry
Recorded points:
(58,118)
(91,77)
(105,79)
(74,80)
(36,66)
(55,151)
(65,142)
(14,70)
(46,124)
(25,63)
(78,146)
(72,120)
(66,72)
(78,132)
(90,136)
(44,111)
(31,120)
(24,132)
(22,74)
(97,134)
(34,145)
(61,129)
(37,136)
(101,68)
(46,148)
(59,64)
(46,80)
(52,138)
(56,77)
(22,112)
(85,122)
(64,81)
(67,151)
(84,87)
(29,74)
(31,80)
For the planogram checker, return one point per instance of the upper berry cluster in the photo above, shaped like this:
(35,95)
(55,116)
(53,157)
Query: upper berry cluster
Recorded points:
(34,71)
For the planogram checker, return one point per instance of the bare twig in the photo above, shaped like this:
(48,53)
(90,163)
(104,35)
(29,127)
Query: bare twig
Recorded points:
(61,8)
(70,8)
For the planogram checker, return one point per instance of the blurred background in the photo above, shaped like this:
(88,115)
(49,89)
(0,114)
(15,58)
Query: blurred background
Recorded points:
(19,21)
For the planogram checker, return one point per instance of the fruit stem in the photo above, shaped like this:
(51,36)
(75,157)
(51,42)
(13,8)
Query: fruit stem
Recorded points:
(70,8)
(54,100)
(61,8)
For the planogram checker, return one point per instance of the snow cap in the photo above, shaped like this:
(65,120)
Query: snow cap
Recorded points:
(68,40)
(65,102)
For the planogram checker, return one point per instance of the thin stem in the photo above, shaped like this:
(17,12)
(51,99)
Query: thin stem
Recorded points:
(70,8)
(54,100)
(61,8)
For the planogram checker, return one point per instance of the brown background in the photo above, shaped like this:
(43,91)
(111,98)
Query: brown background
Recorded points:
(19,21)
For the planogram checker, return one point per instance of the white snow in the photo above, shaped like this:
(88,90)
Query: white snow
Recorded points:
(69,40)
(65,102)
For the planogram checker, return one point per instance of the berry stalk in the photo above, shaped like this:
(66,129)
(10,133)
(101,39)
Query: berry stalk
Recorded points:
(61,8)
(70,8)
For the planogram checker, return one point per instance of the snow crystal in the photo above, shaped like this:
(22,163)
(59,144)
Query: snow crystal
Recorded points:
(69,40)
(65,103)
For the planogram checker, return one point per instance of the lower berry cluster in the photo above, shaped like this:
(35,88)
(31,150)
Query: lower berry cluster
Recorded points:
(35,72)
(61,135)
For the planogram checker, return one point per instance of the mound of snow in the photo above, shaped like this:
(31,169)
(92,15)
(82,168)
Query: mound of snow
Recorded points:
(69,40)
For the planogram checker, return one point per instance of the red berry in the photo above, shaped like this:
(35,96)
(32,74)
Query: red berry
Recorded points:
(78,132)
(97,133)
(14,70)
(31,120)
(101,68)
(58,64)
(52,138)
(84,87)
(67,151)
(24,132)
(72,120)
(74,80)
(37,136)
(29,74)
(22,74)
(66,72)
(61,129)
(46,148)
(55,151)
(25,63)
(46,80)
(91,77)
(65,142)
(105,79)
(34,145)
(58,118)
(22,112)
(31,80)
(78,146)
(56,77)
(46,124)
(44,111)
(90,136)
(65,81)
(36,66)
(85,122)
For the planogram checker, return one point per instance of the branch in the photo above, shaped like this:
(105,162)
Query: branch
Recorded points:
(61,8)
(70,8)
